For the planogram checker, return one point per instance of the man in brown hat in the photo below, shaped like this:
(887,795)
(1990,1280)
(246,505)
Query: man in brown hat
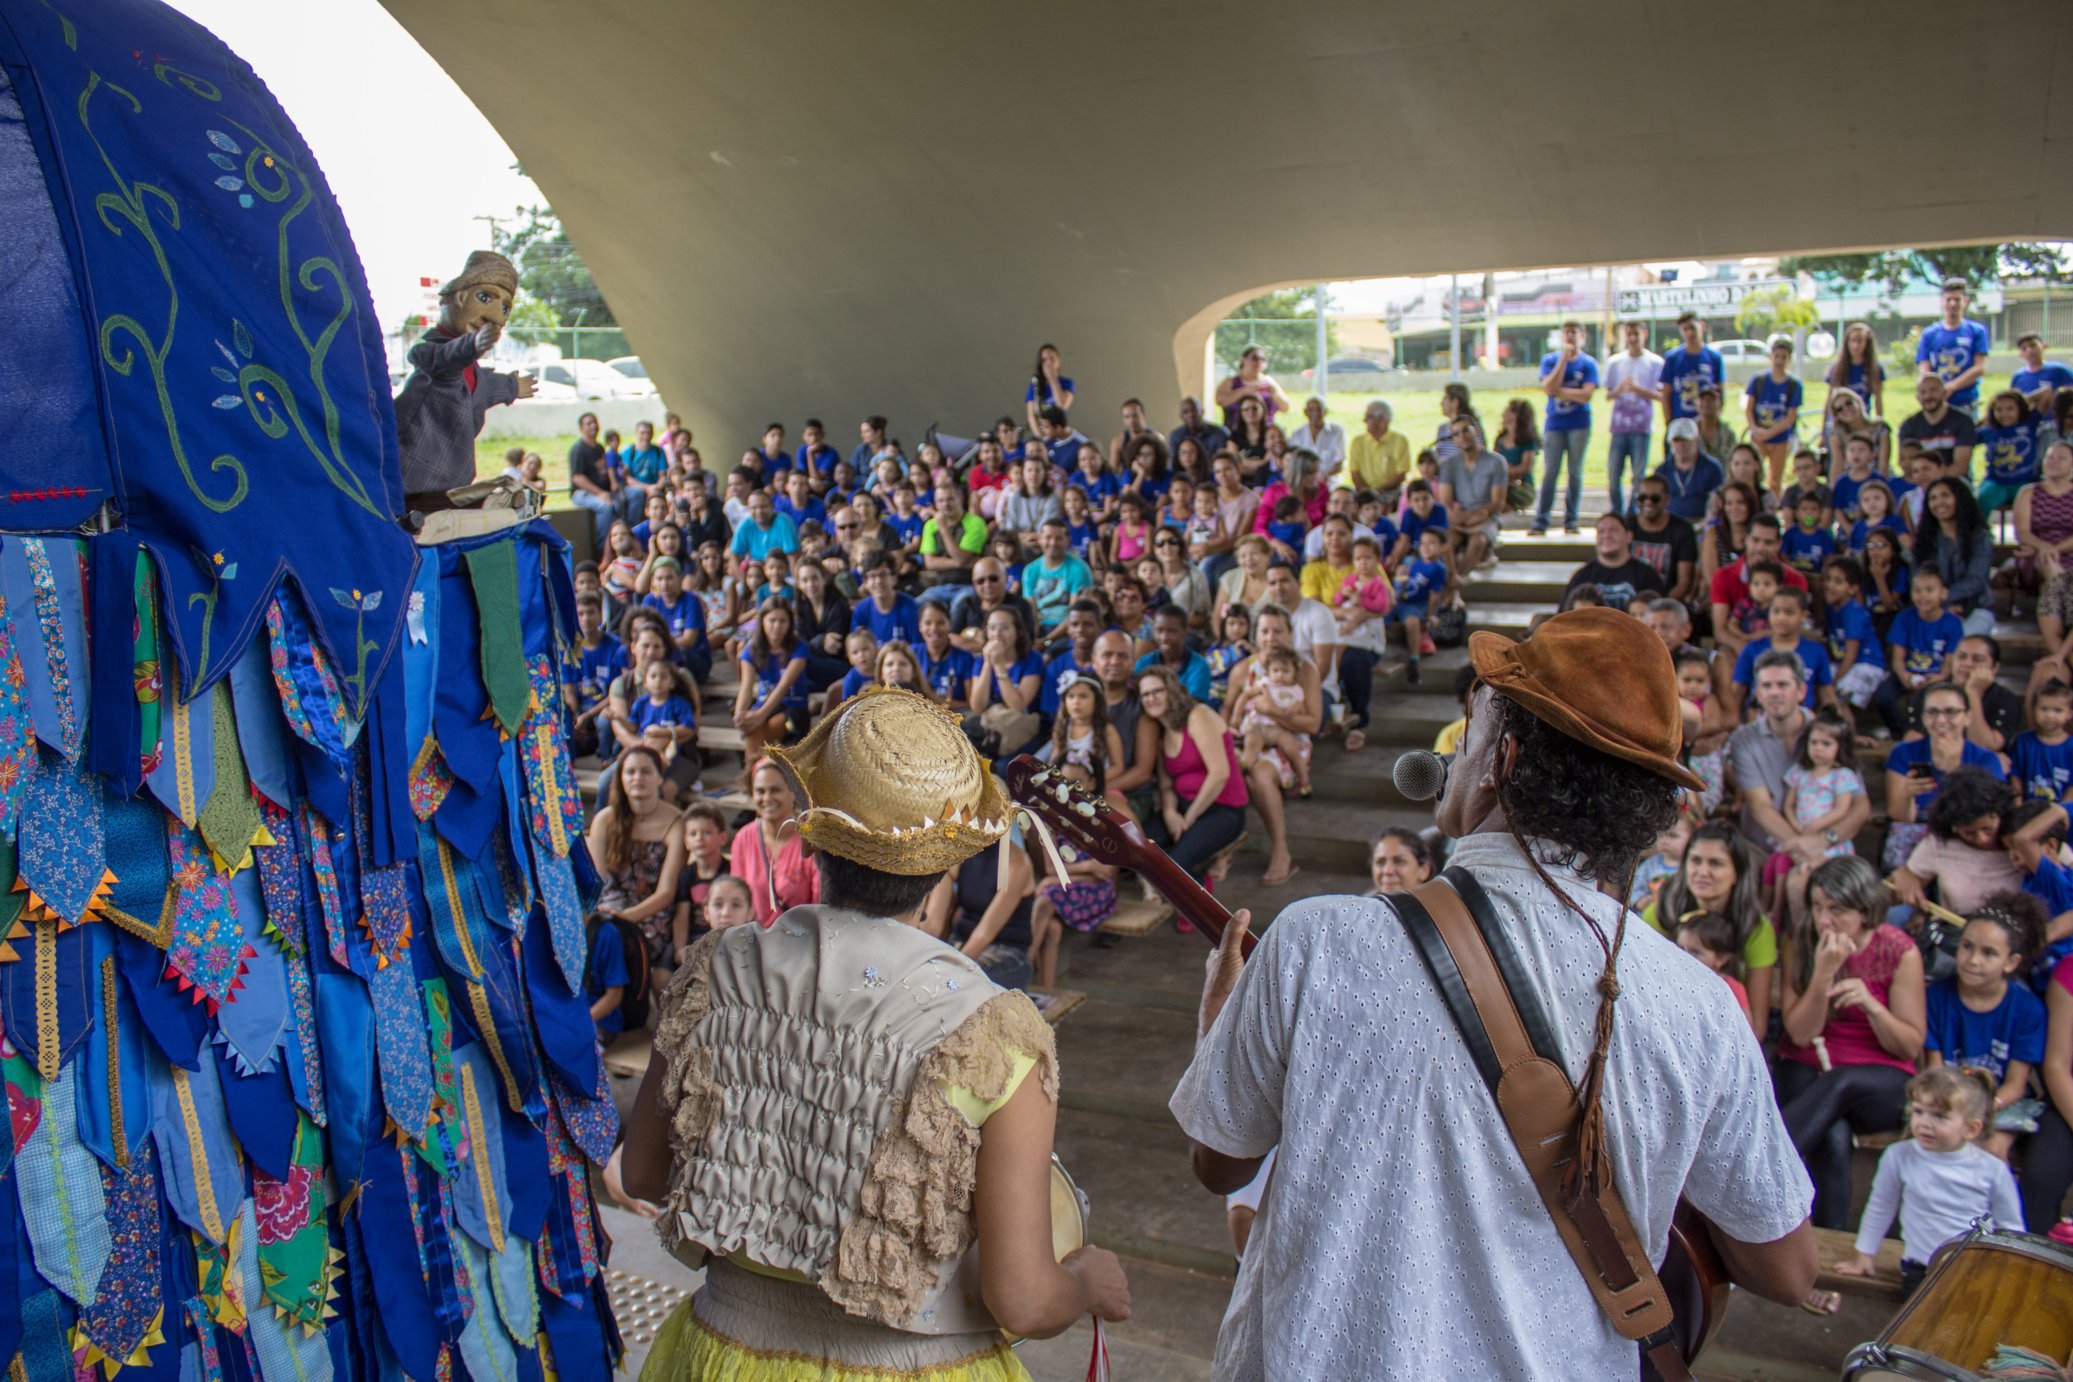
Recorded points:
(1401,1235)
(439,412)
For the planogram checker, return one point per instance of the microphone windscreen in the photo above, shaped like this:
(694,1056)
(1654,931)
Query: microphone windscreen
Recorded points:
(1421,775)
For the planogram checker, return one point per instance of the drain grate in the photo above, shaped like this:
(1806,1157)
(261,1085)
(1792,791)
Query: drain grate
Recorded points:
(640,1305)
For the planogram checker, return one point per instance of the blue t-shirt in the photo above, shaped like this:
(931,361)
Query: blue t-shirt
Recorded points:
(1689,490)
(1414,526)
(1912,751)
(2029,381)
(1853,621)
(2044,770)
(1950,351)
(1195,678)
(1106,485)
(1059,673)
(2012,454)
(1562,415)
(757,543)
(1855,382)
(1385,532)
(946,675)
(1081,537)
(1925,643)
(1813,655)
(595,668)
(1776,401)
(2052,885)
(821,459)
(1065,450)
(1863,528)
(771,670)
(1417,580)
(687,615)
(606,969)
(854,681)
(674,713)
(1029,665)
(1685,374)
(1805,550)
(812,511)
(2013,1031)
(1044,400)
(1843,493)
(645,464)
(1051,588)
(909,528)
(902,621)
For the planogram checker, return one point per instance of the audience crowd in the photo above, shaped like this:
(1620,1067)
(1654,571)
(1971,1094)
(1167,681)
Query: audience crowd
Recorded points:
(1174,615)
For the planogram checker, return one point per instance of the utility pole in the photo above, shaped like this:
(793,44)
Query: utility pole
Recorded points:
(1454,323)
(1324,373)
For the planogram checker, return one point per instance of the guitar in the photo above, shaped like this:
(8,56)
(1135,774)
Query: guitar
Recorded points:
(1692,1273)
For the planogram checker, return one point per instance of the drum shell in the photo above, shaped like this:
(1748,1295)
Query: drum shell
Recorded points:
(1982,1291)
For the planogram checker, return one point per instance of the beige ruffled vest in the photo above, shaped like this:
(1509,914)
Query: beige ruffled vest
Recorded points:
(804,1070)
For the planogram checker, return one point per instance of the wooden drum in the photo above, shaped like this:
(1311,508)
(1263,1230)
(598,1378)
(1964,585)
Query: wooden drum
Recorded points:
(1982,1291)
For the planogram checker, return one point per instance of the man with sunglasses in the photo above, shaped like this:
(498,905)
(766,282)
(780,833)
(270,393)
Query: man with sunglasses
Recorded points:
(1472,489)
(989,592)
(1663,540)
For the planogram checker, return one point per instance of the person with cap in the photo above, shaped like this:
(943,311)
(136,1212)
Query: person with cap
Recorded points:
(1690,474)
(1333,1047)
(440,409)
(842,1109)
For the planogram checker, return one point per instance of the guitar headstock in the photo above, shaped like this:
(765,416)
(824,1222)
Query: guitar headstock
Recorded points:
(1091,823)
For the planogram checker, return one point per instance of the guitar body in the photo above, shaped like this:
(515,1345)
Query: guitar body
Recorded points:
(1692,1273)
(1697,1283)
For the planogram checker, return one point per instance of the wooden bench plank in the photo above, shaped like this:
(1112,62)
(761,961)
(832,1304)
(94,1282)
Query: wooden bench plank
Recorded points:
(1056,1003)
(720,738)
(628,1058)
(1139,917)
(1838,1246)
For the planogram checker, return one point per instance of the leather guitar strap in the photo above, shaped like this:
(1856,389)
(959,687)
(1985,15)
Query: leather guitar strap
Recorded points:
(1484,986)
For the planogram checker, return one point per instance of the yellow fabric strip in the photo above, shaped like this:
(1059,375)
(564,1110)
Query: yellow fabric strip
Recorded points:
(453,904)
(478,1003)
(122,1143)
(47,1052)
(182,749)
(478,1144)
(204,1192)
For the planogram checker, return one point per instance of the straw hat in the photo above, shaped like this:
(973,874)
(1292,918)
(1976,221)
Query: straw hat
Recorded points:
(484,266)
(890,781)
(1602,677)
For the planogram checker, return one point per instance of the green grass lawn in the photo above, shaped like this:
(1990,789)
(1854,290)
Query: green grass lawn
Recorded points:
(1417,417)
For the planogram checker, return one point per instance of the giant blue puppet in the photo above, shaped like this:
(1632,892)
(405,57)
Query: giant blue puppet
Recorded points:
(299,1074)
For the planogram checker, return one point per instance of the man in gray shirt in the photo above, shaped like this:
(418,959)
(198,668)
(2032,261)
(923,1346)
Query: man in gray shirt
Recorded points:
(1760,753)
(1472,487)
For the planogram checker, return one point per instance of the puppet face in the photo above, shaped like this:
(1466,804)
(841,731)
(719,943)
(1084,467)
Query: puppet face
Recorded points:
(464,312)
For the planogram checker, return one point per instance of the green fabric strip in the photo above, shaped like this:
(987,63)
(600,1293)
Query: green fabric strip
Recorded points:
(230,817)
(493,572)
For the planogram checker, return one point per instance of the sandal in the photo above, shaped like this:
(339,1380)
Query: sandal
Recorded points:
(1823,1303)
(1273,882)
(1356,740)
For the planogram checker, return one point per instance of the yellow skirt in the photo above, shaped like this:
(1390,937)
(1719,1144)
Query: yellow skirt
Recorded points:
(755,1329)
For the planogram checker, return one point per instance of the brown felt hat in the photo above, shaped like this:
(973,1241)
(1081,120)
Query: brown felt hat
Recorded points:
(483,266)
(1599,675)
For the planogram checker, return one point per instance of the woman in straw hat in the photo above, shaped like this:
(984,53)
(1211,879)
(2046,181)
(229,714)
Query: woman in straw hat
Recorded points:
(1334,1048)
(842,1107)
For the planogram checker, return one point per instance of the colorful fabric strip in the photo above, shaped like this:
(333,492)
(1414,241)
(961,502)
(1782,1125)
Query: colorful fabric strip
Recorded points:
(17,736)
(62,848)
(62,1200)
(123,1322)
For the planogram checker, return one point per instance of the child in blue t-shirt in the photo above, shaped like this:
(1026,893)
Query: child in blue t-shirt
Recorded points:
(1772,406)
(662,710)
(862,647)
(684,611)
(1097,482)
(1418,581)
(1854,653)
(1287,525)
(1924,634)
(1807,544)
(2008,439)
(605,979)
(1875,503)
(2042,755)
(2033,832)
(1082,532)
(1232,647)
(1979,1019)
(599,657)
(1422,509)
(1788,619)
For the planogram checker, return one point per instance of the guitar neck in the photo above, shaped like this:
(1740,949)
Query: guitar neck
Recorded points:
(1188,897)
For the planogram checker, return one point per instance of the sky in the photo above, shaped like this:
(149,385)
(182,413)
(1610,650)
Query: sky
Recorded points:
(365,100)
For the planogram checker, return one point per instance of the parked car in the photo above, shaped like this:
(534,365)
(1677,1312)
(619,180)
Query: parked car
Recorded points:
(635,373)
(1352,374)
(1743,352)
(592,380)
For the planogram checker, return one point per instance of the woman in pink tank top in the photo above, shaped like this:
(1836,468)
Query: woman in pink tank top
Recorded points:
(1854,1007)
(2043,520)
(1202,796)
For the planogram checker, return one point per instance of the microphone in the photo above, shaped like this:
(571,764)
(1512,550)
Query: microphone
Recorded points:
(1421,775)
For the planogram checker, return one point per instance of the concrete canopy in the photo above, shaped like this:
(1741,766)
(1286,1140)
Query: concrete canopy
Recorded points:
(852,208)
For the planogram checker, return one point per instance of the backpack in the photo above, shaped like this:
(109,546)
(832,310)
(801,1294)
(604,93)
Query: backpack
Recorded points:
(633,1003)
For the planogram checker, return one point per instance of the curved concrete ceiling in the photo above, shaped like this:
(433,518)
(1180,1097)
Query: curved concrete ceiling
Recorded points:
(848,208)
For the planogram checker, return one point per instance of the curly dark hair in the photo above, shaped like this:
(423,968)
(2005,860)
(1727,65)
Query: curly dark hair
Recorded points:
(1965,796)
(2020,915)
(1559,791)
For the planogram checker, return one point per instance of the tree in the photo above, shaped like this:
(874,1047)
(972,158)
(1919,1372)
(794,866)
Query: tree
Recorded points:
(1976,264)
(1770,310)
(1282,323)
(550,270)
